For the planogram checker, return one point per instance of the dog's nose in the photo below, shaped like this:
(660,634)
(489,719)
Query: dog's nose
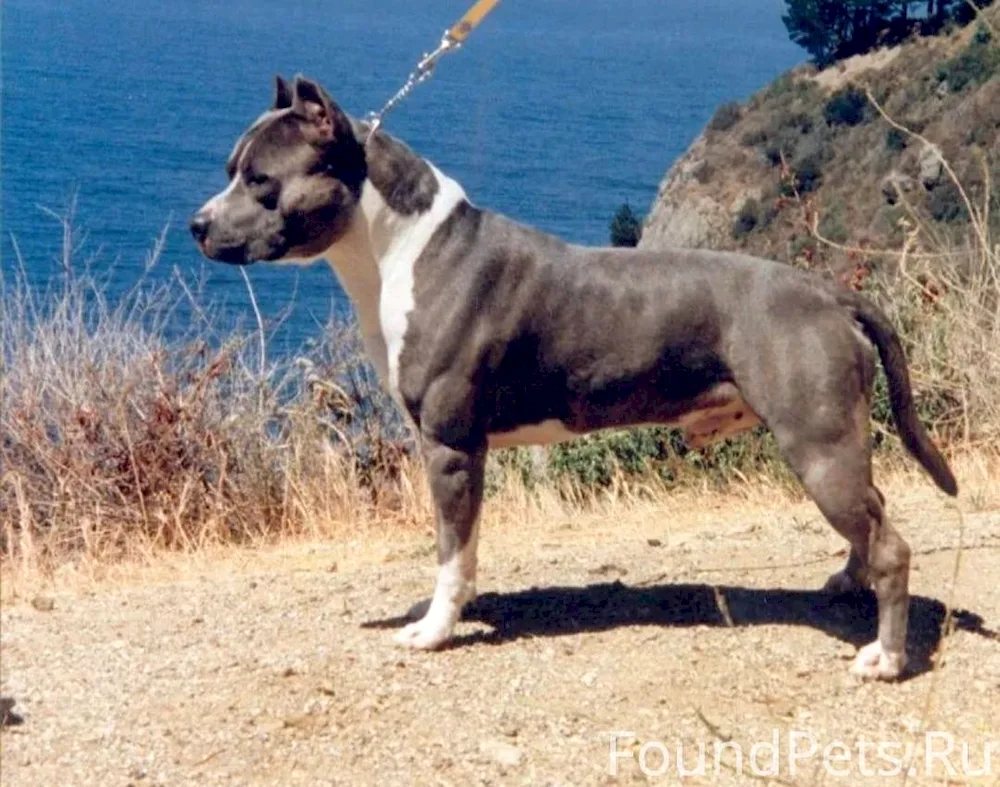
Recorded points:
(199,226)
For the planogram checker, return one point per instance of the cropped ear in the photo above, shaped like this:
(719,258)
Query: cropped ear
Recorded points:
(313,103)
(282,93)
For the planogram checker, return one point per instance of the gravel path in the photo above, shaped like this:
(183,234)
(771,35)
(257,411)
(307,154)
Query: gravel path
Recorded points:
(684,629)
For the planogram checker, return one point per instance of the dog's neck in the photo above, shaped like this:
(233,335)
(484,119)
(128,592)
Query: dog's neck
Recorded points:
(404,199)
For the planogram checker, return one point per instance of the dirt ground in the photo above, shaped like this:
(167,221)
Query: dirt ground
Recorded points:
(678,627)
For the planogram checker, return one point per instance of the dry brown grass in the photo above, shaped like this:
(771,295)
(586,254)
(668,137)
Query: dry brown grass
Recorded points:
(513,518)
(120,443)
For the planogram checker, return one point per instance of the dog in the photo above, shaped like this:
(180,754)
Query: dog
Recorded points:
(491,334)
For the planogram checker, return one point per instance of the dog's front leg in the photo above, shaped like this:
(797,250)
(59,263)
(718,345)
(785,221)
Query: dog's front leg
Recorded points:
(456,479)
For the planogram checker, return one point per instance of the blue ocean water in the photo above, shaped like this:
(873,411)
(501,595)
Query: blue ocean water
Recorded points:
(554,113)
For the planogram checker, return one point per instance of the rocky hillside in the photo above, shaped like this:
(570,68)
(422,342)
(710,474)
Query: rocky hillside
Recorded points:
(809,169)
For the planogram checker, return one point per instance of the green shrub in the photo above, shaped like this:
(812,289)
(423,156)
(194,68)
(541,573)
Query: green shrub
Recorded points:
(783,145)
(753,137)
(808,174)
(770,212)
(945,203)
(594,461)
(812,155)
(800,246)
(896,140)
(726,116)
(975,65)
(847,107)
(747,219)
(801,122)
(626,227)
(831,226)
(703,172)
(774,152)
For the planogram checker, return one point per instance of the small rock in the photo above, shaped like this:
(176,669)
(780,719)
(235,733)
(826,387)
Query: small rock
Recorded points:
(589,678)
(654,542)
(509,728)
(501,752)
(8,718)
(326,688)
(931,166)
(43,603)
(295,721)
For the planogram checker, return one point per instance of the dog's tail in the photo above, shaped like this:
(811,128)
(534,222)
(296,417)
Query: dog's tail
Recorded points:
(911,430)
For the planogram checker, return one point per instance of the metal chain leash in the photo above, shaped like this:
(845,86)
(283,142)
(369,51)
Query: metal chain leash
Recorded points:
(451,41)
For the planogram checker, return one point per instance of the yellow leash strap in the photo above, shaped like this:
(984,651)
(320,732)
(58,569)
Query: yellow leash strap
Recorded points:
(452,40)
(461,29)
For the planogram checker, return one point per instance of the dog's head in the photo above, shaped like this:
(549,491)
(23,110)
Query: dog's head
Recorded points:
(295,179)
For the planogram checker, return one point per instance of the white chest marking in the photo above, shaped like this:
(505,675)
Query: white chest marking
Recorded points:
(397,241)
(374,262)
(351,259)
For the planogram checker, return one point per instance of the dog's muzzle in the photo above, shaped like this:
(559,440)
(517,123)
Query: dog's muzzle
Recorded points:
(201,226)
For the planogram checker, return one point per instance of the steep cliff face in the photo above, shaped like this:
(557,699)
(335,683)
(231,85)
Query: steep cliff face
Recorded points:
(694,205)
(809,170)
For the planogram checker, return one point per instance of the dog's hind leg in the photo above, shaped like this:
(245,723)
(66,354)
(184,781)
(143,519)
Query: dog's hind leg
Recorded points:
(851,578)
(837,474)
(809,377)
(456,479)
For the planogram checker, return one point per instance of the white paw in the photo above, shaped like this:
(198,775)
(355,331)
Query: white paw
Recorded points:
(428,633)
(841,582)
(874,663)
(421,608)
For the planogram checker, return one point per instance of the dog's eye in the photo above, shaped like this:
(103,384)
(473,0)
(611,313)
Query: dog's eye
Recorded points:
(264,188)
(257,179)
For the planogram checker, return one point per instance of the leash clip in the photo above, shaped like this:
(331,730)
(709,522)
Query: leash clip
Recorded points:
(451,41)
(429,60)
(423,72)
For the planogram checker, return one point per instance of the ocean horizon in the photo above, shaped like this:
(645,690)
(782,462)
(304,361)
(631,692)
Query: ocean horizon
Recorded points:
(553,114)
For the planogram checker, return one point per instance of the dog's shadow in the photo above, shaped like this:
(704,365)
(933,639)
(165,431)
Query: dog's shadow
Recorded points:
(555,611)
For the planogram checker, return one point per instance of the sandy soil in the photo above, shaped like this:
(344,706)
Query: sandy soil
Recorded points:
(683,626)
